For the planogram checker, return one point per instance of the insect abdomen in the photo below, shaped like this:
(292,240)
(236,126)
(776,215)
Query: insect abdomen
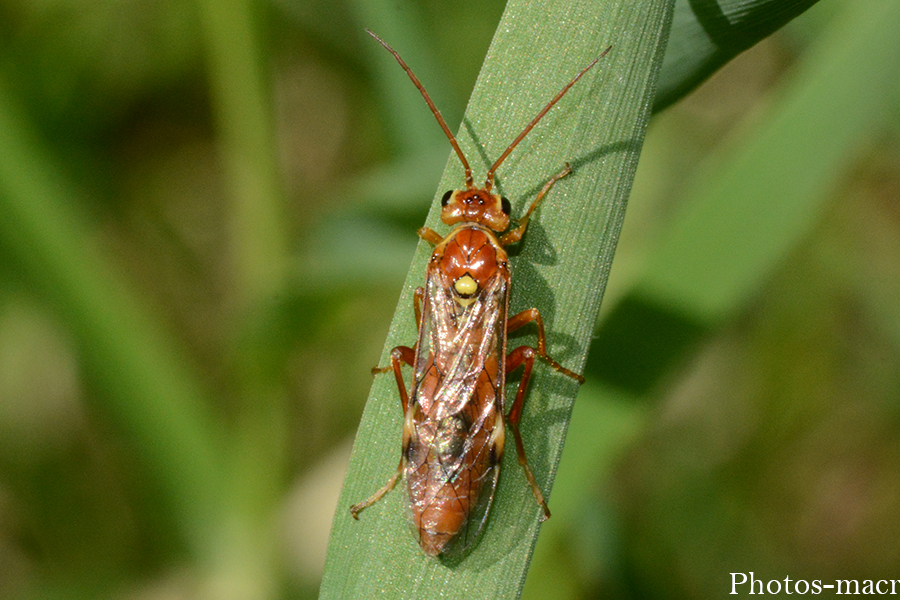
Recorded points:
(448,469)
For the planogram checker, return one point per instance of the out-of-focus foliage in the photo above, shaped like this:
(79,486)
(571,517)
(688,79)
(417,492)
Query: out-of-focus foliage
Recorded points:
(206,214)
(706,34)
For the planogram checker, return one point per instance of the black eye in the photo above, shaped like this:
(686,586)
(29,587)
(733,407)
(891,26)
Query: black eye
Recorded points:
(446,198)
(507,208)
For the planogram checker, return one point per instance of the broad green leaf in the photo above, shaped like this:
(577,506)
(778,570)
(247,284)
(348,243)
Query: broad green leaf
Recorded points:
(560,268)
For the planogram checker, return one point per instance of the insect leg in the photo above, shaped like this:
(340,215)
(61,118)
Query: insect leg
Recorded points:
(408,431)
(430,235)
(523,355)
(358,508)
(404,354)
(516,234)
(399,356)
(532,315)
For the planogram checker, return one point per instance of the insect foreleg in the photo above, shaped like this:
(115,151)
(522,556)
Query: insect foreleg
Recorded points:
(532,315)
(513,236)
(430,235)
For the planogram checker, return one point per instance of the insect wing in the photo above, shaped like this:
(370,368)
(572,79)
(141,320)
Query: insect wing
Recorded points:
(459,345)
(453,460)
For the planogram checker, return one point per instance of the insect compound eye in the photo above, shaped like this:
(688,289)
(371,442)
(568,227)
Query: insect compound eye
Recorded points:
(505,205)
(446,197)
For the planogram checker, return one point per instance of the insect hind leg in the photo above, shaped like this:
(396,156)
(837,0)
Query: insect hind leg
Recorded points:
(524,355)
(532,315)
(392,482)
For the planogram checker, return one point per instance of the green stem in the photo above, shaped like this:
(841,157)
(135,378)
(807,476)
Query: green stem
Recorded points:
(148,389)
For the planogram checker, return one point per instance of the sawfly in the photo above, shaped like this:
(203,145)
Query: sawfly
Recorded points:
(456,414)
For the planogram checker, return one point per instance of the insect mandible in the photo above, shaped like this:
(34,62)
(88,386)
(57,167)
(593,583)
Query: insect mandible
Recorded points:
(455,418)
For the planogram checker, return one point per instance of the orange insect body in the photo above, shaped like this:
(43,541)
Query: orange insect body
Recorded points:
(455,441)
(455,416)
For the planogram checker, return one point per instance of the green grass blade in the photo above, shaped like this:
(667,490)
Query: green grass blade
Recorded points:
(148,389)
(768,193)
(560,268)
(750,208)
(242,106)
(706,34)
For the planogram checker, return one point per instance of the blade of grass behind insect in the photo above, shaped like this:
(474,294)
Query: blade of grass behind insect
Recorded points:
(771,188)
(148,389)
(257,227)
(706,34)
(561,268)
(754,204)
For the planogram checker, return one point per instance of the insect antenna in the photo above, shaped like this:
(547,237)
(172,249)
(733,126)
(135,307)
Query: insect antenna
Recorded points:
(489,181)
(434,110)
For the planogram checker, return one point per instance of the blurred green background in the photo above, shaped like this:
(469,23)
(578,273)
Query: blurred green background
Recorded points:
(207,211)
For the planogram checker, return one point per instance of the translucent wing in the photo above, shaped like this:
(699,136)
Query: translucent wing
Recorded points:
(453,459)
(456,344)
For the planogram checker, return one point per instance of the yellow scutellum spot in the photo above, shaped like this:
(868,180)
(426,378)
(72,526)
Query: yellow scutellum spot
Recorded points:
(466,286)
